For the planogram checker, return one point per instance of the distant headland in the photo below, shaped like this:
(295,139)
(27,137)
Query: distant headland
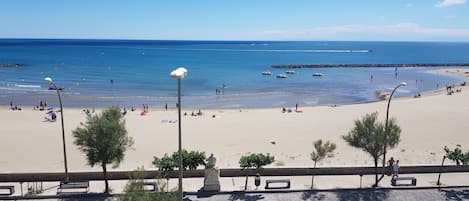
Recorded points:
(367,65)
(11,65)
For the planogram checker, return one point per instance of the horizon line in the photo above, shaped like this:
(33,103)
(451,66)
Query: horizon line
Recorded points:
(229,40)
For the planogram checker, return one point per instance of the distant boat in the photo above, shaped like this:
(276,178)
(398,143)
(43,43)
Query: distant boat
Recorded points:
(266,73)
(290,72)
(53,88)
(282,76)
(318,74)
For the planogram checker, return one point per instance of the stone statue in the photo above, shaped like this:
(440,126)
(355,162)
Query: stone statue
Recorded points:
(212,175)
(211,162)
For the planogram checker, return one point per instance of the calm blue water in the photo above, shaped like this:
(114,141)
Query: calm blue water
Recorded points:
(140,70)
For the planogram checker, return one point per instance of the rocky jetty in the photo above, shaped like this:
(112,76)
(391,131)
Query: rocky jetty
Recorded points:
(11,65)
(366,65)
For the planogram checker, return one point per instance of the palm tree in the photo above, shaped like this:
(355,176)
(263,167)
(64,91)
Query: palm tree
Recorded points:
(103,138)
(369,135)
(320,153)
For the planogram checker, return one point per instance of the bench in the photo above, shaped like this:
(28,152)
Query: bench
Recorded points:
(395,181)
(277,181)
(73,186)
(150,184)
(11,190)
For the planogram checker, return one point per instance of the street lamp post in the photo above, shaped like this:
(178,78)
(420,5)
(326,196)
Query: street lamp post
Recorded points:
(48,79)
(387,117)
(179,74)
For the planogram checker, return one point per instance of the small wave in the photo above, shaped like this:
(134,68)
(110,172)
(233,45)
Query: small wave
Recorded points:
(273,50)
(27,86)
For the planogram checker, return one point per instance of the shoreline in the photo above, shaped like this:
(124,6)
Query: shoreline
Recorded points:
(173,108)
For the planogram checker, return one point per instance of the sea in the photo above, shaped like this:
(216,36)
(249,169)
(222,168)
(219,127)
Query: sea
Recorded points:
(221,74)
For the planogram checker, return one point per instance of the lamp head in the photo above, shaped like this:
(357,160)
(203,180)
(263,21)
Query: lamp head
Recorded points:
(403,84)
(48,79)
(179,73)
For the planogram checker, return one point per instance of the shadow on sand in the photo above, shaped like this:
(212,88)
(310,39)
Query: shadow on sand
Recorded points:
(456,195)
(312,195)
(365,194)
(245,197)
(87,197)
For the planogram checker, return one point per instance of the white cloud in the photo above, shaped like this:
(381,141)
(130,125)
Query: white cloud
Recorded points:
(446,3)
(449,16)
(400,31)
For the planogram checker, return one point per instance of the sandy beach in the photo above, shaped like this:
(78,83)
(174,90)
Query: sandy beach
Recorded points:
(428,124)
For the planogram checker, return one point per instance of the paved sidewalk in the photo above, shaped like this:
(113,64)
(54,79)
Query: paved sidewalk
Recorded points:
(455,194)
(451,194)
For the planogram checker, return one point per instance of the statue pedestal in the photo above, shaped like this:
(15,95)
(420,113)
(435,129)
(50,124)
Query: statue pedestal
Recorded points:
(212,180)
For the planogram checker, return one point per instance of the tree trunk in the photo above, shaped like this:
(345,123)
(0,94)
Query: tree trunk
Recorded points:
(106,183)
(376,172)
(167,184)
(312,178)
(246,184)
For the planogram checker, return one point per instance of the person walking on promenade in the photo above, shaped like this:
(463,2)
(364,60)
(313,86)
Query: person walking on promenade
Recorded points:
(395,169)
(390,166)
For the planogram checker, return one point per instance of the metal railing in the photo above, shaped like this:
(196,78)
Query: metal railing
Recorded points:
(235,172)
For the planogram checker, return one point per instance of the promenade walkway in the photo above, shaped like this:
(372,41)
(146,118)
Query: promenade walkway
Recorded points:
(434,194)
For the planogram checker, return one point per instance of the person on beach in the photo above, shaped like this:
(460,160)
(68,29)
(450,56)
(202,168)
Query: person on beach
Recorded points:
(390,165)
(166,107)
(296,107)
(395,169)
(52,117)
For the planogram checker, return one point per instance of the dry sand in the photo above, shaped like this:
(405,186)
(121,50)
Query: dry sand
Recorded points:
(428,123)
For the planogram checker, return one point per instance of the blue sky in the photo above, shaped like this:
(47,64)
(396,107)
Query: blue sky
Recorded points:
(390,20)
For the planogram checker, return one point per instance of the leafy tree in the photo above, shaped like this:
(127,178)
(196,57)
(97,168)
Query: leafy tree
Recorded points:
(255,161)
(135,189)
(457,156)
(368,134)
(190,159)
(103,138)
(165,164)
(321,151)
